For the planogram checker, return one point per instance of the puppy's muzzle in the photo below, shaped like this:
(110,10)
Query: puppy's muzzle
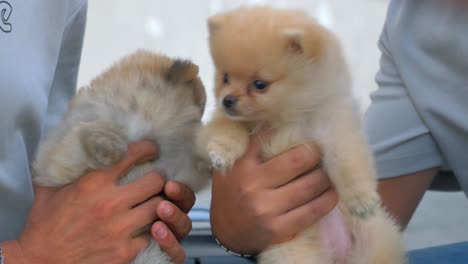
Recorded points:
(229,102)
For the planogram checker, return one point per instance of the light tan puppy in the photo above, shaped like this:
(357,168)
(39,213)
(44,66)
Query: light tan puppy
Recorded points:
(281,70)
(143,96)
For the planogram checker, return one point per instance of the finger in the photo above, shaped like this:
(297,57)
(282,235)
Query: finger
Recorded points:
(139,243)
(289,165)
(143,188)
(308,214)
(180,195)
(137,153)
(300,191)
(167,242)
(177,221)
(142,215)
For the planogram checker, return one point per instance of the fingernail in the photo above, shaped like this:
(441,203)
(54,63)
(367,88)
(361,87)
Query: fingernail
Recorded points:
(167,210)
(161,232)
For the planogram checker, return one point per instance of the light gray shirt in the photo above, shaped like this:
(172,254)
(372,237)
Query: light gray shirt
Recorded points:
(418,118)
(40,48)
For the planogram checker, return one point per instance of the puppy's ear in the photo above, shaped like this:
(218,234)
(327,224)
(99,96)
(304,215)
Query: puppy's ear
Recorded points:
(182,71)
(185,72)
(215,23)
(200,94)
(294,40)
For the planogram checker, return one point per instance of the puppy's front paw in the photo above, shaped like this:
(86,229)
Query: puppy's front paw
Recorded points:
(219,162)
(103,143)
(223,153)
(363,205)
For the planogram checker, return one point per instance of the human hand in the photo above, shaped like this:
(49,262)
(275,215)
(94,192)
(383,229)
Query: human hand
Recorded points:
(94,220)
(174,224)
(260,204)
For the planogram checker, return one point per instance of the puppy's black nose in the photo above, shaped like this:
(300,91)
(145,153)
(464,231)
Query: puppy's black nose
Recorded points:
(229,101)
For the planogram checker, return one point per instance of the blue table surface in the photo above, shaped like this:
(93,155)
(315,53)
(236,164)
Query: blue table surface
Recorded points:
(452,254)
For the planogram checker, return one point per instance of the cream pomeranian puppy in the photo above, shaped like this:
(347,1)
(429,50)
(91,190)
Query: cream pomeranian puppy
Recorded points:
(143,96)
(280,70)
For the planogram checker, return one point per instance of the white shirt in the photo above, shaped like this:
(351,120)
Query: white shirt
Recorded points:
(40,48)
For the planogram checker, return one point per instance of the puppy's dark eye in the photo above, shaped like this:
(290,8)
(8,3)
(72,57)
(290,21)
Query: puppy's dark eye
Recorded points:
(260,85)
(225,78)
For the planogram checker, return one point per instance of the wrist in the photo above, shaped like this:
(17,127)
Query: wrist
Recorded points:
(232,238)
(252,257)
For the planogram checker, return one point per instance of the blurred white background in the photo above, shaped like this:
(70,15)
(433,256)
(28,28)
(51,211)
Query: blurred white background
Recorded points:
(178,28)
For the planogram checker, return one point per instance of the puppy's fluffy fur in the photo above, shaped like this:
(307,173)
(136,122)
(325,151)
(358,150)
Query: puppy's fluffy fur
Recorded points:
(281,70)
(143,96)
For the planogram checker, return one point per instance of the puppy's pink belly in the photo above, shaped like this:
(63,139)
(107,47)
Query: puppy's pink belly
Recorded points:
(335,236)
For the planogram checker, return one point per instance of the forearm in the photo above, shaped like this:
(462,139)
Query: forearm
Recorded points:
(401,195)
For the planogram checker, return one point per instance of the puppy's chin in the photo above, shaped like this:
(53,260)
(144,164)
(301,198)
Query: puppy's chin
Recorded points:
(246,117)
(234,115)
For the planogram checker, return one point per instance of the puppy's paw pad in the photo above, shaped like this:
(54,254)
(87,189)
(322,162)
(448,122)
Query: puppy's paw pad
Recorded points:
(364,207)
